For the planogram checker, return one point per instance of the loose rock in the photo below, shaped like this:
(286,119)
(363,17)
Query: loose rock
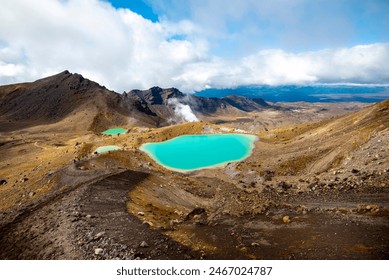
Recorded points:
(100,234)
(150,224)
(144,244)
(286,219)
(98,251)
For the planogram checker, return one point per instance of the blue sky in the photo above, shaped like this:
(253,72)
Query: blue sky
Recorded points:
(237,26)
(196,44)
(137,6)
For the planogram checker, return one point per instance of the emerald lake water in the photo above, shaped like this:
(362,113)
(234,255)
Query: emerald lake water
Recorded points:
(114,131)
(193,152)
(105,149)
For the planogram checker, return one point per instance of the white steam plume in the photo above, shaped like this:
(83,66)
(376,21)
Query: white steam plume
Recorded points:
(183,111)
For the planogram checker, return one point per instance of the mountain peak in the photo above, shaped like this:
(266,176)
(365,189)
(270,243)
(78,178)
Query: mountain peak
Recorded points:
(47,100)
(157,95)
(74,81)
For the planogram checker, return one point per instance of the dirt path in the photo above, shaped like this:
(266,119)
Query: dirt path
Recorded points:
(123,235)
(89,222)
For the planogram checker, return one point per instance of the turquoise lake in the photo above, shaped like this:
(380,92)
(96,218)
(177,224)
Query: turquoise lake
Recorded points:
(114,131)
(193,152)
(105,149)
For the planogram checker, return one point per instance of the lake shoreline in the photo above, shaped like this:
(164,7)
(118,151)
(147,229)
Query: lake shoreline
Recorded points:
(249,137)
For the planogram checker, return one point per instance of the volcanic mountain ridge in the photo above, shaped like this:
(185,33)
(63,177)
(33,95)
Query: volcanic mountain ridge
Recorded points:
(90,106)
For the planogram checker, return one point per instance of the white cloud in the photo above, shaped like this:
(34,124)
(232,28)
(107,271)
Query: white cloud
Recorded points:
(365,63)
(359,64)
(122,50)
(117,48)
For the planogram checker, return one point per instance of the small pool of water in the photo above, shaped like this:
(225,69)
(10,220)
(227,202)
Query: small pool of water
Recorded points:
(104,149)
(193,152)
(114,131)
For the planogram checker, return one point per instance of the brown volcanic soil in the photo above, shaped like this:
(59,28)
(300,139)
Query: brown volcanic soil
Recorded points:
(330,177)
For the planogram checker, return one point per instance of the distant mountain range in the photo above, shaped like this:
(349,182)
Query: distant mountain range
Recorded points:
(83,104)
(307,93)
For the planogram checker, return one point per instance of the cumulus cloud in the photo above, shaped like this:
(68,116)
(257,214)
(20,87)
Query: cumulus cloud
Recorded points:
(364,63)
(122,50)
(117,48)
(359,64)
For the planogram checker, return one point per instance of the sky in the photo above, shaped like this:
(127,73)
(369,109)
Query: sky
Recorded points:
(196,44)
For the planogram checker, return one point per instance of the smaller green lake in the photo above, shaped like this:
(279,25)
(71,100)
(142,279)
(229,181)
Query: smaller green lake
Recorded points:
(114,131)
(105,149)
(193,152)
